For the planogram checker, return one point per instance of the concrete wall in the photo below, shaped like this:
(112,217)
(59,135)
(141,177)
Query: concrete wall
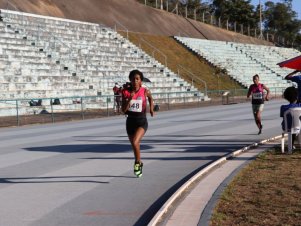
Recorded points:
(134,16)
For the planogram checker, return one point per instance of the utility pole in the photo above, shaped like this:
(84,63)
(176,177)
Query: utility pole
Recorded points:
(260,20)
(167,5)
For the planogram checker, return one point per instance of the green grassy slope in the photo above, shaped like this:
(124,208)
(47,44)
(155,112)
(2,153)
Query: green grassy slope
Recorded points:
(177,54)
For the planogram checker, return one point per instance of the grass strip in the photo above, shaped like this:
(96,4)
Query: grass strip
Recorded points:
(266,192)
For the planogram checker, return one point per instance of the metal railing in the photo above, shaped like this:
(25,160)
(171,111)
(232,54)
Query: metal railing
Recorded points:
(19,112)
(154,50)
(183,34)
(193,77)
(118,23)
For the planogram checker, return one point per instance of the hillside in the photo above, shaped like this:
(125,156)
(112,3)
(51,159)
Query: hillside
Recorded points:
(178,57)
(134,16)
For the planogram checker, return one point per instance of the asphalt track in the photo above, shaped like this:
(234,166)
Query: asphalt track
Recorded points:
(80,173)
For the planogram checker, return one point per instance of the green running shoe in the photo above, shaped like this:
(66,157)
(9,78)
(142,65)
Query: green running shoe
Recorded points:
(138,169)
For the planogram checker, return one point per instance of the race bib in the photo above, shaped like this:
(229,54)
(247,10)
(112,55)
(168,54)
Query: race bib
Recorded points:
(257,96)
(136,106)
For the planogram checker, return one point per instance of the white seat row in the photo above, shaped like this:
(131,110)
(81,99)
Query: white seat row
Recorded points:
(41,49)
(242,61)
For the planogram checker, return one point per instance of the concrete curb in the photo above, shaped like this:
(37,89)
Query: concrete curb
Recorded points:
(220,161)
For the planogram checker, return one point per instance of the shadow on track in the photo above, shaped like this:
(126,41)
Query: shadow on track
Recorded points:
(34,180)
(87,148)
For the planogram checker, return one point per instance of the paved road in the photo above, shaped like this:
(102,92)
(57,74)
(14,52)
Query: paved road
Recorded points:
(80,173)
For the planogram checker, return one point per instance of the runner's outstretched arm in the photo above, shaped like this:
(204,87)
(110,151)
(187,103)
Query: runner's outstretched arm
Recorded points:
(126,102)
(267,97)
(151,102)
(291,74)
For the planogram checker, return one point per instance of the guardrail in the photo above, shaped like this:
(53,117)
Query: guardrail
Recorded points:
(154,50)
(116,29)
(17,112)
(193,77)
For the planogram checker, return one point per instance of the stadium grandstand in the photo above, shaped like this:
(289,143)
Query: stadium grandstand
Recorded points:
(47,57)
(242,61)
(52,50)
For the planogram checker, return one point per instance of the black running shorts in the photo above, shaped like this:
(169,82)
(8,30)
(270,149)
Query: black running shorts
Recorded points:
(133,123)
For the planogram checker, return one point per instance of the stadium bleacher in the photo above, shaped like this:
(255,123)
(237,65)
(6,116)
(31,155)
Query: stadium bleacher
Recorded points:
(48,57)
(242,61)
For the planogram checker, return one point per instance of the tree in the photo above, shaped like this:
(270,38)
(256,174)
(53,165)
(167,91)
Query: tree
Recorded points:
(281,20)
(239,11)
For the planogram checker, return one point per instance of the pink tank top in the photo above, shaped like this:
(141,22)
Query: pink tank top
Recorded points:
(257,93)
(138,103)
